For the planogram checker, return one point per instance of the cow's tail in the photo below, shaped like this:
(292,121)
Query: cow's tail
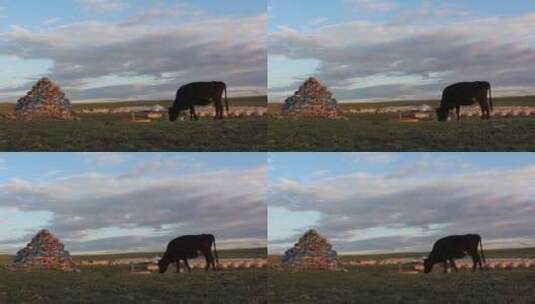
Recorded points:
(482,253)
(226,103)
(215,251)
(490,99)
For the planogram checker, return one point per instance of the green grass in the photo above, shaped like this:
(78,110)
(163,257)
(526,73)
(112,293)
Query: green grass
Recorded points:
(383,133)
(117,285)
(384,285)
(114,284)
(116,133)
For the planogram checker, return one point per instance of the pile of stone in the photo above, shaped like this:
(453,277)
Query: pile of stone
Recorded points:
(312,100)
(44,100)
(44,252)
(311,252)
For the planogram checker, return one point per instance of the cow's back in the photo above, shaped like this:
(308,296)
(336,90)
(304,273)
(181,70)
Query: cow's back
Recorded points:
(450,246)
(463,93)
(196,91)
(455,246)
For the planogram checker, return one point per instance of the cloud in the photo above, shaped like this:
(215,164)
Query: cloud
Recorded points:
(103,158)
(374,158)
(159,12)
(163,206)
(97,60)
(389,212)
(367,60)
(103,6)
(374,6)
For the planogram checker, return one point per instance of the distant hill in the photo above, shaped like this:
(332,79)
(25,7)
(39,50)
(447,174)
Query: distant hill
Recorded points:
(498,101)
(257,101)
(224,253)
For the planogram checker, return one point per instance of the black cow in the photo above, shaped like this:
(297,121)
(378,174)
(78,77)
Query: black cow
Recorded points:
(465,94)
(455,247)
(188,247)
(199,94)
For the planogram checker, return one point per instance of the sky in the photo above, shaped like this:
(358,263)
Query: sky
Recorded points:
(399,202)
(376,50)
(107,50)
(130,202)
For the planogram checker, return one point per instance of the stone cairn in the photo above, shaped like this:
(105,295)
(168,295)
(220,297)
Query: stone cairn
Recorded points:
(311,252)
(44,100)
(44,252)
(312,100)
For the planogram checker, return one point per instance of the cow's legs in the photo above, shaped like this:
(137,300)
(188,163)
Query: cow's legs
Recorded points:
(218,110)
(445,264)
(458,110)
(192,113)
(212,261)
(178,266)
(480,263)
(452,262)
(207,262)
(485,110)
(474,261)
(187,265)
(218,102)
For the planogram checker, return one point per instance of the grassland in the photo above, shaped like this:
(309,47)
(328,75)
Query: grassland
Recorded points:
(118,133)
(383,284)
(383,132)
(114,284)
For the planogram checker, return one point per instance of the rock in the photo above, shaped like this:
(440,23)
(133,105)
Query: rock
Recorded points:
(312,100)
(44,100)
(44,252)
(311,252)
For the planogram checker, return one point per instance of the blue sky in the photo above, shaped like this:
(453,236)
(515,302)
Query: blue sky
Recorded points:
(118,49)
(372,50)
(388,202)
(117,202)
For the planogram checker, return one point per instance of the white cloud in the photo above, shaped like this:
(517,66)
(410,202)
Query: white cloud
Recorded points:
(410,211)
(164,56)
(374,158)
(103,6)
(375,6)
(164,206)
(103,158)
(414,61)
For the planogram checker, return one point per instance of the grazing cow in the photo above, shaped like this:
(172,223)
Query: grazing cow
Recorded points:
(188,247)
(465,94)
(199,94)
(455,247)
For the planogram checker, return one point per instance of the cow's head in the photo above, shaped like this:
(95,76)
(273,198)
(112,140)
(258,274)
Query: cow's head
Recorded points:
(428,265)
(162,265)
(173,114)
(442,114)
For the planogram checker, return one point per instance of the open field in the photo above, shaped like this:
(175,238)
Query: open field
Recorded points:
(118,133)
(384,284)
(115,284)
(384,132)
